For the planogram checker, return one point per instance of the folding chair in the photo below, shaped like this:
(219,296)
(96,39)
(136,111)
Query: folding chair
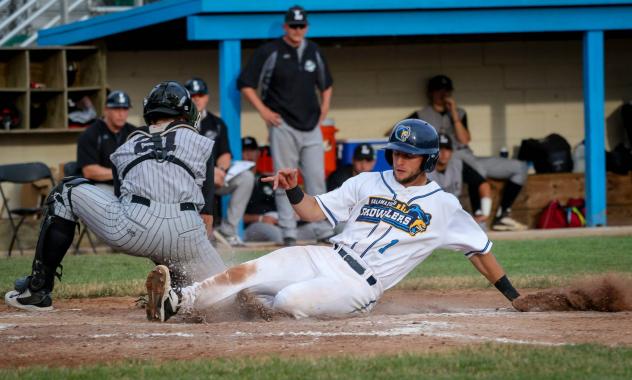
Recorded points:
(22,173)
(72,169)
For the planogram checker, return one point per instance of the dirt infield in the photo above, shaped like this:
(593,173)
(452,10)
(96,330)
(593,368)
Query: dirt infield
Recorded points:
(86,331)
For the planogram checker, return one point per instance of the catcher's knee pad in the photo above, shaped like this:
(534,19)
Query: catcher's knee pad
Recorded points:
(56,235)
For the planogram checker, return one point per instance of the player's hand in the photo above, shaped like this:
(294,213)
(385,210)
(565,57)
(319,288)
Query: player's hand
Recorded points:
(271,118)
(521,303)
(284,179)
(450,103)
(269,219)
(218,177)
(208,223)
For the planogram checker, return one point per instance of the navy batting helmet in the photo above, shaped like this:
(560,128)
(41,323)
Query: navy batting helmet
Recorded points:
(118,99)
(196,86)
(169,99)
(414,136)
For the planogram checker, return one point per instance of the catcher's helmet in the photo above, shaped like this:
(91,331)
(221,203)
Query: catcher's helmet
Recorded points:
(169,99)
(414,136)
(196,86)
(118,99)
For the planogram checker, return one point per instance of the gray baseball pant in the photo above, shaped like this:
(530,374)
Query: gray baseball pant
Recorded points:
(260,231)
(160,232)
(240,190)
(293,148)
(495,167)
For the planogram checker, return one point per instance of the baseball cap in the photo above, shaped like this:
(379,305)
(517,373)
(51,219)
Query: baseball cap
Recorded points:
(445,141)
(196,86)
(118,99)
(296,16)
(249,142)
(364,152)
(440,82)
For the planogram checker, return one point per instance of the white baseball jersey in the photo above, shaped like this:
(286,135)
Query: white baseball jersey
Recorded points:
(394,228)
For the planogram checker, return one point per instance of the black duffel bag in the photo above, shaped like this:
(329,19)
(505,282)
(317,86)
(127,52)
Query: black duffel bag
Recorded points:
(551,154)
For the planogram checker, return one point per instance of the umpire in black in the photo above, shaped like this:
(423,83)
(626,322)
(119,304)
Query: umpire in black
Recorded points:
(288,71)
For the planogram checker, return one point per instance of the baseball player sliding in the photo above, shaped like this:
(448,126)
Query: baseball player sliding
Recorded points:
(162,171)
(395,220)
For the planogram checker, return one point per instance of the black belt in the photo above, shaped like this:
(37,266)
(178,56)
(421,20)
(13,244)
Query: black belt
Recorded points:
(356,266)
(186,206)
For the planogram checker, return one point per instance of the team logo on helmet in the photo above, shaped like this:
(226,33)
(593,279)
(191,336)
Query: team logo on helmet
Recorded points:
(402,133)
(408,218)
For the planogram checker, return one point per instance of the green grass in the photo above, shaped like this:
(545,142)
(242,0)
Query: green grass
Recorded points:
(480,362)
(534,264)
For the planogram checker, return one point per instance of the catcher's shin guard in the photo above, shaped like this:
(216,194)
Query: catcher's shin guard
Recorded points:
(55,237)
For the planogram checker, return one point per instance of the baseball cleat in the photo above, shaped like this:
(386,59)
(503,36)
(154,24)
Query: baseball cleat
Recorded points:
(25,300)
(162,302)
(507,223)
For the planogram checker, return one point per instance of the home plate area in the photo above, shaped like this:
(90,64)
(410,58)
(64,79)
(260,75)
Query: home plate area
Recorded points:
(86,331)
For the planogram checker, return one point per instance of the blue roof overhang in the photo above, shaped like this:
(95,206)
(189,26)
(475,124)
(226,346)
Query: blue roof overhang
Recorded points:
(208,20)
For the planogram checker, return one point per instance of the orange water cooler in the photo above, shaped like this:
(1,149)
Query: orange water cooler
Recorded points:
(328,128)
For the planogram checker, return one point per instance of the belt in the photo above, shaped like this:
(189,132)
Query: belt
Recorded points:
(356,266)
(186,206)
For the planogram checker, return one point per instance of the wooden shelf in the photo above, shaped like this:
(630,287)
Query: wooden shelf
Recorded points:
(84,89)
(13,89)
(67,72)
(22,131)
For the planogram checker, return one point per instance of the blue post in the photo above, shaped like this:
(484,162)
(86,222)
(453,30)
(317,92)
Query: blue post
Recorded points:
(594,128)
(230,100)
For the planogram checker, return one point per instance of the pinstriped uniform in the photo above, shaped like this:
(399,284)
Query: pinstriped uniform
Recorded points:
(160,231)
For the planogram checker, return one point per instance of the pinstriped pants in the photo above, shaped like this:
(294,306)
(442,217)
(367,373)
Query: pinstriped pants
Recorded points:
(160,232)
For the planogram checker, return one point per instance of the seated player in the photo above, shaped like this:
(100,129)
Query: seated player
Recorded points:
(101,138)
(240,186)
(395,220)
(160,173)
(451,172)
(261,217)
(363,161)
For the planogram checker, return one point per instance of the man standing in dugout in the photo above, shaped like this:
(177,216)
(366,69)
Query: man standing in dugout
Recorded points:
(286,71)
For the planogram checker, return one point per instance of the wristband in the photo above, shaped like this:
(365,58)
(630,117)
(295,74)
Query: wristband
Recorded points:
(295,195)
(505,287)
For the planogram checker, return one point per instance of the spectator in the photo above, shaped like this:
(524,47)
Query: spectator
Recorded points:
(239,187)
(363,161)
(261,218)
(444,114)
(450,173)
(288,70)
(101,138)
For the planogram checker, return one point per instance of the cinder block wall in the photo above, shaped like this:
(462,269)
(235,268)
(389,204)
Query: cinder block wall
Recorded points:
(510,89)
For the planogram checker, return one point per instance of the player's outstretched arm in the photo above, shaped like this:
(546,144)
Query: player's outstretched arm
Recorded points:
(489,267)
(305,205)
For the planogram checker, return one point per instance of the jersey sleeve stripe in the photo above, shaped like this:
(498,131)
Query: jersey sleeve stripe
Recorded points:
(486,249)
(328,212)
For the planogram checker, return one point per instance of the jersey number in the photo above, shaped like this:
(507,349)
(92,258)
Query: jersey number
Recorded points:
(387,246)
(144,144)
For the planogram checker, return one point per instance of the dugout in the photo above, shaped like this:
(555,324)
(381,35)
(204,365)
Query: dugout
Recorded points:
(521,68)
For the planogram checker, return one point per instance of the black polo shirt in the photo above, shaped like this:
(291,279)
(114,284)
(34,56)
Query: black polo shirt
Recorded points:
(262,198)
(97,143)
(337,178)
(288,83)
(214,128)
